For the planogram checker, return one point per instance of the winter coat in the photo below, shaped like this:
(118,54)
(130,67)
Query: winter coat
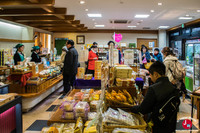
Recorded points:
(91,60)
(158,57)
(169,61)
(17,57)
(35,57)
(148,57)
(155,96)
(71,62)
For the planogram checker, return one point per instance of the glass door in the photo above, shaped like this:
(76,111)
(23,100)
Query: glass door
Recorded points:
(189,51)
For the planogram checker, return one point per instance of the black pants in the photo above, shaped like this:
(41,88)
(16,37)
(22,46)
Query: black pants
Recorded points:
(90,72)
(68,82)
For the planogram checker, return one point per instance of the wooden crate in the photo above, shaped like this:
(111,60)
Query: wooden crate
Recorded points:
(15,87)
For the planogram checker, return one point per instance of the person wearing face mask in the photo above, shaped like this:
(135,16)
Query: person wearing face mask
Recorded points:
(35,55)
(91,60)
(157,55)
(19,56)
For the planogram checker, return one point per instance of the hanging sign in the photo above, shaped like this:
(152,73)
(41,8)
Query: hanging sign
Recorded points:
(117,37)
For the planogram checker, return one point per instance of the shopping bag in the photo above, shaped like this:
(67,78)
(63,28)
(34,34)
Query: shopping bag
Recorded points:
(144,61)
(147,65)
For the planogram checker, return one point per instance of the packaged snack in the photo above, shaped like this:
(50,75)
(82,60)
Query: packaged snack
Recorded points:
(125,113)
(126,130)
(92,129)
(79,126)
(49,130)
(68,128)
(78,96)
(68,105)
(91,115)
(68,115)
(67,99)
(86,97)
(93,104)
(59,126)
(81,107)
(82,115)
(87,91)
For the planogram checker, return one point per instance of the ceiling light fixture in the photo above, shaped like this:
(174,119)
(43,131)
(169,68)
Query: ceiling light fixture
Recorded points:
(160,4)
(198,10)
(185,17)
(152,10)
(163,27)
(131,26)
(94,15)
(142,16)
(99,25)
(82,2)
(86,10)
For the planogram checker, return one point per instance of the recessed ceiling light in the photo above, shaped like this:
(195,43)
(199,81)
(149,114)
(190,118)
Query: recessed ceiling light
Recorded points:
(152,10)
(198,10)
(142,16)
(99,25)
(160,4)
(185,17)
(86,10)
(131,26)
(94,15)
(82,2)
(163,27)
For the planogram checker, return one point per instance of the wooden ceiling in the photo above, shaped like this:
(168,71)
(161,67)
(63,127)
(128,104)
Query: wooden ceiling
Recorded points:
(40,14)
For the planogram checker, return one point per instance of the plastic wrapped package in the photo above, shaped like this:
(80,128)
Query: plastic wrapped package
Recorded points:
(126,130)
(59,126)
(49,130)
(81,110)
(68,115)
(93,104)
(122,112)
(68,128)
(78,96)
(68,98)
(86,97)
(68,106)
(79,126)
(91,115)
(112,114)
(92,129)
(87,91)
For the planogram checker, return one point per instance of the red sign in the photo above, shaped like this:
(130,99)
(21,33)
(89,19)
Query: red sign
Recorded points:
(187,124)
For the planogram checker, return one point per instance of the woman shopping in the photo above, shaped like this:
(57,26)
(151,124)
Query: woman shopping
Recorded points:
(19,56)
(145,55)
(91,60)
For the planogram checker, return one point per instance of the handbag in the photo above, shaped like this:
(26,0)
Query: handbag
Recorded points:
(147,65)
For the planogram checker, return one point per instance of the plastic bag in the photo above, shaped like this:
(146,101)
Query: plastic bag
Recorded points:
(86,97)
(81,110)
(68,115)
(93,104)
(49,130)
(79,126)
(59,126)
(68,128)
(68,105)
(91,115)
(78,96)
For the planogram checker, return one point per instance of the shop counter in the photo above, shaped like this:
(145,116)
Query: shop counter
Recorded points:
(4,89)
(11,116)
(92,83)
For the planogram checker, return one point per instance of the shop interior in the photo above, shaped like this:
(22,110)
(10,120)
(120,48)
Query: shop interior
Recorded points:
(34,37)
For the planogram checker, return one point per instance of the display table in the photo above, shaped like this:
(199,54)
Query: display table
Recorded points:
(11,116)
(197,97)
(4,89)
(81,83)
(30,100)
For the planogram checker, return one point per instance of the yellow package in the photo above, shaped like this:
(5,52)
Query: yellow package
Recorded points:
(49,130)
(79,126)
(90,130)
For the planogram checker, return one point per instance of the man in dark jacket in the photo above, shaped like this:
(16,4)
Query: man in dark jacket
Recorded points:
(70,66)
(156,95)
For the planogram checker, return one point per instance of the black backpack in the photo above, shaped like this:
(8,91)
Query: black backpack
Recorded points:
(165,112)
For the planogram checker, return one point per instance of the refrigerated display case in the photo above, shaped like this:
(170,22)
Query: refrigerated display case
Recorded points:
(196,71)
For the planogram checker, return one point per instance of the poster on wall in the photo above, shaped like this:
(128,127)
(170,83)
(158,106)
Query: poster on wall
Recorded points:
(151,44)
(80,39)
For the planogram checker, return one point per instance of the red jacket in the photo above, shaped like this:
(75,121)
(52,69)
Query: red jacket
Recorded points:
(91,60)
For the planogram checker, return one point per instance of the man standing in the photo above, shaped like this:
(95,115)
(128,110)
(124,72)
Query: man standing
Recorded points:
(157,94)
(70,66)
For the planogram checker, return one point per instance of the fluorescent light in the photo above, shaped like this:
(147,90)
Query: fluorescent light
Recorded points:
(86,10)
(185,17)
(160,4)
(94,15)
(82,2)
(163,27)
(131,26)
(10,25)
(152,10)
(141,16)
(198,10)
(99,25)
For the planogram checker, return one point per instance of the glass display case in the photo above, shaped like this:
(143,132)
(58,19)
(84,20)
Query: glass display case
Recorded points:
(196,71)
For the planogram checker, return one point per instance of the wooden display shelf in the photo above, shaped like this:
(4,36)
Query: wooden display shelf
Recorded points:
(57,118)
(20,73)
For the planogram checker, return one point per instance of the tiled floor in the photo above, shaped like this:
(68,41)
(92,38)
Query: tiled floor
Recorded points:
(42,112)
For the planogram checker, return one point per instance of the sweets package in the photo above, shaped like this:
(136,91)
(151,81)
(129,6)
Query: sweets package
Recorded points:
(88,76)
(79,126)
(58,126)
(80,73)
(128,57)
(49,130)
(91,115)
(95,95)
(91,129)
(97,67)
(86,97)
(68,105)
(68,128)
(68,115)
(87,91)
(93,104)
(81,110)
(126,130)
(78,96)
(125,82)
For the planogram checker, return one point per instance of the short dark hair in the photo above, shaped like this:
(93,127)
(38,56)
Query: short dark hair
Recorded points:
(158,67)
(70,42)
(110,43)
(156,49)
(94,47)
(95,43)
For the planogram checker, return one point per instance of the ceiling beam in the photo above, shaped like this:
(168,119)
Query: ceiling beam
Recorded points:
(34,1)
(76,22)
(48,8)
(25,3)
(31,12)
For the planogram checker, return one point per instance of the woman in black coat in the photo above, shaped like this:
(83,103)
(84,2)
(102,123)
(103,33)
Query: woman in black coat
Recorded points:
(35,56)
(19,56)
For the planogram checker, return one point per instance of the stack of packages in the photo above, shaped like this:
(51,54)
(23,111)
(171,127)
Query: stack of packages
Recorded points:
(81,73)
(88,76)
(97,70)
(119,118)
(123,75)
(112,76)
(128,57)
